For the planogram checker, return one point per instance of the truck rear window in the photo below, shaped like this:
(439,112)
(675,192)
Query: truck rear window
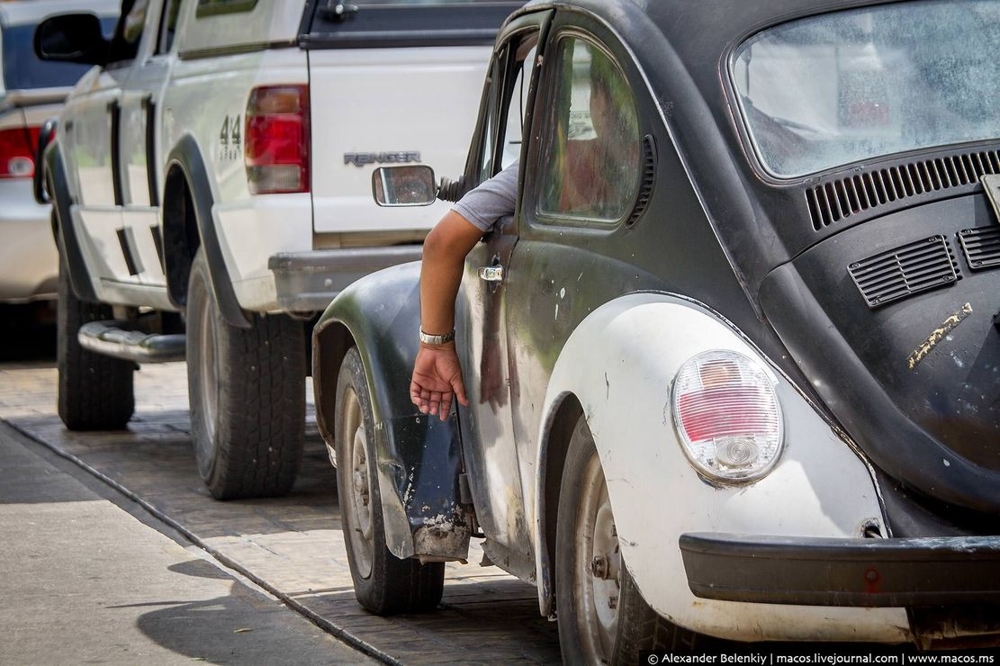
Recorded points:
(393,23)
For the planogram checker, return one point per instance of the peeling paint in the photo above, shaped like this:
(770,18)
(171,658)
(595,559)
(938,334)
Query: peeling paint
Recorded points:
(940,333)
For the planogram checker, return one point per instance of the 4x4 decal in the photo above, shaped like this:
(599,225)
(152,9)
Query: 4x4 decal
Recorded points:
(231,138)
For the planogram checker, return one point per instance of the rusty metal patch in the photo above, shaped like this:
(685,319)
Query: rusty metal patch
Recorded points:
(939,333)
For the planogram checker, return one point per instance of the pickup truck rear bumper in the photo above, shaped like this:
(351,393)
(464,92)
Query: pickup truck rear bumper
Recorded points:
(308,281)
(814,571)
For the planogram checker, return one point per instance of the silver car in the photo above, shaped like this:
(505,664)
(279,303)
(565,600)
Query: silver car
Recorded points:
(31,91)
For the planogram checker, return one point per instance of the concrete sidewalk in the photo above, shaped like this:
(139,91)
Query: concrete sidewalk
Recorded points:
(290,546)
(87,579)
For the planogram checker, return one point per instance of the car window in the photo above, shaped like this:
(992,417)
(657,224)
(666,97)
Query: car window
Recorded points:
(23,70)
(508,98)
(168,25)
(590,142)
(128,32)
(853,85)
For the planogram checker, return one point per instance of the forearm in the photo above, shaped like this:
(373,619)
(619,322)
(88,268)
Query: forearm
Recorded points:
(441,271)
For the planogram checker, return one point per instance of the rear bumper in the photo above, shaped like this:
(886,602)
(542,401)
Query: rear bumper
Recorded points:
(308,281)
(814,571)
(29,262)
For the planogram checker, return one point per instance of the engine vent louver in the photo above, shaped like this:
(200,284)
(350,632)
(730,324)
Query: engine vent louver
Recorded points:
(904,271)
(981,247)
(647,178)
(838,199)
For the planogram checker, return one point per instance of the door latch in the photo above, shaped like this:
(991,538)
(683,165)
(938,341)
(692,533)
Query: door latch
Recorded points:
(491,273)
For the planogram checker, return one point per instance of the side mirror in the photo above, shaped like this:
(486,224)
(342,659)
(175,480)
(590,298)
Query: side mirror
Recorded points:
(72,38)
(404,185)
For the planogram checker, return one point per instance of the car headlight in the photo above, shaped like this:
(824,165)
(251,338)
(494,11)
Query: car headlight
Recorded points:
(727,416)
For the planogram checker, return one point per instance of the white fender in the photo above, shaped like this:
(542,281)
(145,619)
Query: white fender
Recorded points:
(620,363)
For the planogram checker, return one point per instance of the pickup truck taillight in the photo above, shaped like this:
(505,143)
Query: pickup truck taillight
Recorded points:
(277,140)
(17,152)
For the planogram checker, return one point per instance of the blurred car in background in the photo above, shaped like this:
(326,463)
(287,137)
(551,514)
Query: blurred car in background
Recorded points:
(31,91)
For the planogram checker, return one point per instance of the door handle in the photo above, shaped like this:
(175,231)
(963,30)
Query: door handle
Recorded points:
(491,273)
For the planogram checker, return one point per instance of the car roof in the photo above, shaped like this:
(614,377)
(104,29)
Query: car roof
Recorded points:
(27,12)
(695,27)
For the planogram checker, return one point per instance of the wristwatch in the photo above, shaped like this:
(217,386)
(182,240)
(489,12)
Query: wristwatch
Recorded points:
(436,339)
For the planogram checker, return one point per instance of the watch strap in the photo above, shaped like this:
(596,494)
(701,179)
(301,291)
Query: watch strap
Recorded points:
(436,339)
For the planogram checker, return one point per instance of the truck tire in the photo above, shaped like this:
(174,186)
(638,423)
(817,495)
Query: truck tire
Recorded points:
(383,583)
(246,389)
(95,391)
(603,618)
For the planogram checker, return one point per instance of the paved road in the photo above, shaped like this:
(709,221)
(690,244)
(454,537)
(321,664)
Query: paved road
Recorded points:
(291,547)
(91,577)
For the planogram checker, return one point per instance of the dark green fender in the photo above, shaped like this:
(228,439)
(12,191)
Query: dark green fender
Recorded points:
(419,458)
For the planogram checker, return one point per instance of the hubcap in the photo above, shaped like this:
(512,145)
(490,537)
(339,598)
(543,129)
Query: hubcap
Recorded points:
(599,560)
(208,375)
(358,506)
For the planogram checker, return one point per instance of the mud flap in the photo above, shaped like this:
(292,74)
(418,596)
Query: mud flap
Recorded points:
(419,464)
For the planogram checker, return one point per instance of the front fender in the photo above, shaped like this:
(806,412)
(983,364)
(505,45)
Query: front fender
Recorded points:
(620,364)
(187,157)
(418,457)
(67,239)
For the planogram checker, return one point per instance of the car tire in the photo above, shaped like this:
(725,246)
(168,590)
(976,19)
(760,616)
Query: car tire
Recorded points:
(603,618)
(383,583)
(246,390)
(95,391)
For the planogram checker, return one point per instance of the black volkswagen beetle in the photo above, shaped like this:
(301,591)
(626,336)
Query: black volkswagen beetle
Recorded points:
(739,377)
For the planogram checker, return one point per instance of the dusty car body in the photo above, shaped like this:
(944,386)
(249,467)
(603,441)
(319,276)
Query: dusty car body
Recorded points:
(756,398)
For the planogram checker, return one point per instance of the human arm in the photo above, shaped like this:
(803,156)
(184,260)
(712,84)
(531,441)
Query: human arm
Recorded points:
(437,375)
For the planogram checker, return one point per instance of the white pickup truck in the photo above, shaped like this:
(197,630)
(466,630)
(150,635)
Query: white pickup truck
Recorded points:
(211,181)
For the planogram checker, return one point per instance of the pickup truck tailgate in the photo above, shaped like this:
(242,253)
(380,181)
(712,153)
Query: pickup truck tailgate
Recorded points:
(427,103)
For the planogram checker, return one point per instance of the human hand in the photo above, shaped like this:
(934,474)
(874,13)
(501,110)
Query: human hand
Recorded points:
(437,380)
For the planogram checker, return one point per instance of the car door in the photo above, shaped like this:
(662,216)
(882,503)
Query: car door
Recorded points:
(580,188)
(91,134)
(493,464)
(139,109)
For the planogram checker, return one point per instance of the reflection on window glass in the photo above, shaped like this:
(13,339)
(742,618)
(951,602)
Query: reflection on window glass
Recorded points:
(214,7)
(362,3)
(853,85)
(590,150)
(134,22)
(168,26)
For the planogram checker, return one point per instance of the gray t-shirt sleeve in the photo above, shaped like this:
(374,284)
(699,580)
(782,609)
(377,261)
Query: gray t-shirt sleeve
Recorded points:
(490,200)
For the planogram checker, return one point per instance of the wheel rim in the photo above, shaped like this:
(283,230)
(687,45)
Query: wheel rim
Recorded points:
(208,375)
(358,507)
(598,566)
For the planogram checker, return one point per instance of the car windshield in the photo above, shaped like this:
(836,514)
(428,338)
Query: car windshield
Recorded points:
(23,70)
(854,85)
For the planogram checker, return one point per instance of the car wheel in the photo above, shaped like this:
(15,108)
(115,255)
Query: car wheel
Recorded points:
(383,583)
(246,390)
(602,616)
(95,391)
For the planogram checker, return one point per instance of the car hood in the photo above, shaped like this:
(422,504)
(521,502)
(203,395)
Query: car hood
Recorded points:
(893,322)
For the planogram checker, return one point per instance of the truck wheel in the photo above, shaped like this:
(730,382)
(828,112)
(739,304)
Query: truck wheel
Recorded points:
(246,389)
(603,618)
(383,583)
(95,391)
